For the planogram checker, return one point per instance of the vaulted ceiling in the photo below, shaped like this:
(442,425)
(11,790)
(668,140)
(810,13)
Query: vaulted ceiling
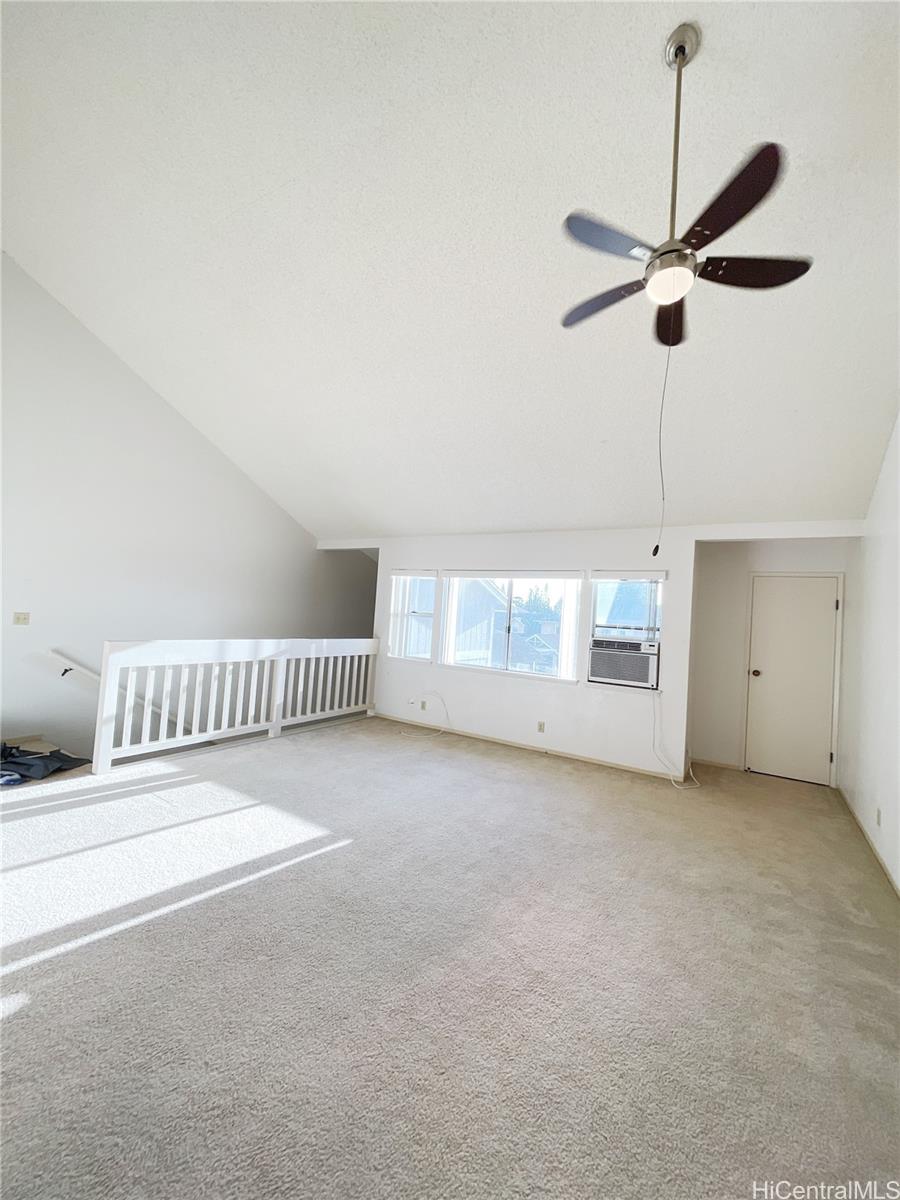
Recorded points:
(330,236)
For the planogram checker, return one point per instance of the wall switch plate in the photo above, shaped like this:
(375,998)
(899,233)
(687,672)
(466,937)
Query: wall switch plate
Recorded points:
(877,816)
(21,618)
(423,704)
(540,726)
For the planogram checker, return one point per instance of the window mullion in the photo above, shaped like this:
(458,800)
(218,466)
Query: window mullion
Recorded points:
(509,593)
(404,619)
(437,618)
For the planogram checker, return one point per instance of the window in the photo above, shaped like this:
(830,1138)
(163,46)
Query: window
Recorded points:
(627,609)
(412,616)
(525,623)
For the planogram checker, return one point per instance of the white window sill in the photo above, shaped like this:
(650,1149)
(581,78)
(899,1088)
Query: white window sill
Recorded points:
(621,687)
(428,662)
(502,673)
(615,687)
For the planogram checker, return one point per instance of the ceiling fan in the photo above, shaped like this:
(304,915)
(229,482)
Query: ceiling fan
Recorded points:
(672,267)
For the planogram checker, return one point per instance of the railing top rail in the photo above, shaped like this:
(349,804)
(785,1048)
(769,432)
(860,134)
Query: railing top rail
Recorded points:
(211,650)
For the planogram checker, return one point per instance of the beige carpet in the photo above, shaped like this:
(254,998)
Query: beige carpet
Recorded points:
(356,965)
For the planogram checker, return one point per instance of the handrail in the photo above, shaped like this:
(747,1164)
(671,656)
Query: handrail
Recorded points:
(73,665)
(228,688)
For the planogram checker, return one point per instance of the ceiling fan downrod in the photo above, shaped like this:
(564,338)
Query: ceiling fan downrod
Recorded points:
(681,47)
(679,67)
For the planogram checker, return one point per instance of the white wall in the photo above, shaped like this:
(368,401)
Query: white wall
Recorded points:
(718,703)
(599,721)
(122,522)
(869,742)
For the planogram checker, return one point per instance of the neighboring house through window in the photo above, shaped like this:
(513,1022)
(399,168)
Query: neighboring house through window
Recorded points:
(526,624)
(628,609)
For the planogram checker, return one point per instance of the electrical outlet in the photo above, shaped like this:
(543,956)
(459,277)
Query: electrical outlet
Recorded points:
(877,816)
(21,618)
(423,704)
(540,726)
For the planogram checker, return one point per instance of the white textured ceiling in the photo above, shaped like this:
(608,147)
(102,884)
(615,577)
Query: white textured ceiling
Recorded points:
(330,235)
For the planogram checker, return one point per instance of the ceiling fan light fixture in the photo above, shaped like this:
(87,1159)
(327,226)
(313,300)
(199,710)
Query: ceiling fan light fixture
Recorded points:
(670,284)
(670,276)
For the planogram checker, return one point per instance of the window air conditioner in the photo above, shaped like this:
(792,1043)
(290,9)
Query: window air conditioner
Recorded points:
(634,664)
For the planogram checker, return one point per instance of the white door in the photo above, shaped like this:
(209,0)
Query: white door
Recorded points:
(790,698)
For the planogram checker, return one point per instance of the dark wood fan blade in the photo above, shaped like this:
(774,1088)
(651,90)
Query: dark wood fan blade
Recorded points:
(604,300)
(753,272)
(670,323)
(591,232)
(740,196)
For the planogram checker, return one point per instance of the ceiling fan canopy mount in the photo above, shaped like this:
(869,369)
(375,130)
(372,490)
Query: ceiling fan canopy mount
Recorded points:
(683,42)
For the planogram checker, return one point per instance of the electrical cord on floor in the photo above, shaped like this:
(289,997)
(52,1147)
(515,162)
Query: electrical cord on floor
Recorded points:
(437,732)
(670,770)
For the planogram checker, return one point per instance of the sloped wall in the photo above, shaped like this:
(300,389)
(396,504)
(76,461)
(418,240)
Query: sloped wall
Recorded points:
(121,521)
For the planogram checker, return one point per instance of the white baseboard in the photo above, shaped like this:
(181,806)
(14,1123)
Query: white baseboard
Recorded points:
(709,762)
(891,880)
(483,737)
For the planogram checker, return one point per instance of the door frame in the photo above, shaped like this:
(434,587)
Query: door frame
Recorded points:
(838,576)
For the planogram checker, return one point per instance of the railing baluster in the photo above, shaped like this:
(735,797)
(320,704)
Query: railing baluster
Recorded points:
(279,688)
(164,704)
(149,684)
(225,722)
(128,718)
(351,699)
(252,700)
(328,680)
(239,703)
(184,672)
(289,688)
(199,679)
(265,706)
(301,681)
(213,697)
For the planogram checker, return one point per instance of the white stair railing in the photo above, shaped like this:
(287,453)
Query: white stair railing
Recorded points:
(165,695)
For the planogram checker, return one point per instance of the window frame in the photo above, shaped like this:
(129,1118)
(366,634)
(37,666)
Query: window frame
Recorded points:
(404,614)
(657,577)
(448,621)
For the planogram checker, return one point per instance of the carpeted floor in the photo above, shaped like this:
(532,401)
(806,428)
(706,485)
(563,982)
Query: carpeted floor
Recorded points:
(357,965)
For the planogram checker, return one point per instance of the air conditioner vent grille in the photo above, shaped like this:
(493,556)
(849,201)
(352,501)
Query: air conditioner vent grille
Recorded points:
(623,666)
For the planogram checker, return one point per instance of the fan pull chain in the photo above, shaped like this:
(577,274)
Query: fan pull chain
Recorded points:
(659,448)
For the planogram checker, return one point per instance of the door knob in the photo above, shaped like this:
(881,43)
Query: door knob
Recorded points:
(756,672)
